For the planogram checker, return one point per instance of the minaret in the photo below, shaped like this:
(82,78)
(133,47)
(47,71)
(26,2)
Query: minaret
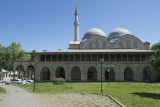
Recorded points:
(76,27)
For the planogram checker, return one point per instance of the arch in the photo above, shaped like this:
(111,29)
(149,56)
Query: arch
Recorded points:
(45,73)
(104,45)
(135,45)
(90,45)
(127,44)
(97,44)
(60,72)
(120,45)
(30,71)
(146,74)
(128,74)
(92,74)
(75,73)
(109,75)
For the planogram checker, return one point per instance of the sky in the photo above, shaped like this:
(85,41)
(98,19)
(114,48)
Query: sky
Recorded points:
(48,24)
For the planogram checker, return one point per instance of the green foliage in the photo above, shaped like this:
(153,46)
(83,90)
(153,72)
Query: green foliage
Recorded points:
(155,59)
(5,58)
(11,53)
(33,55)
(2,90)
(13,79)
(58,81)
(17,52)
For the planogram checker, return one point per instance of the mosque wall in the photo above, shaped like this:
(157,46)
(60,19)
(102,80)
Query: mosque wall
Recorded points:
(123,42)
(119,70)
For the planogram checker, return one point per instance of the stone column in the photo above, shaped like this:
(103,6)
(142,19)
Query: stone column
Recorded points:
(19,72)
(83,74)
(121,73)
(14,73)
(67,73)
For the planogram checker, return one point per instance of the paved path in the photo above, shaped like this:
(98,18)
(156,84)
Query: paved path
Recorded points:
(18,97)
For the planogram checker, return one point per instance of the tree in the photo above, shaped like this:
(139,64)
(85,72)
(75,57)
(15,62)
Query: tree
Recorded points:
(5,58)
(10,53)
(17,52)
(33,55)
(155,59)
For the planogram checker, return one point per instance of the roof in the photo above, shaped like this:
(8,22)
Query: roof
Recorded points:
(24,60)
(96,51)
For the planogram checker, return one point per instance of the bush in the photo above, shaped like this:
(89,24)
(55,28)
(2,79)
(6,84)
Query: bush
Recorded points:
(13,79)
(58,81)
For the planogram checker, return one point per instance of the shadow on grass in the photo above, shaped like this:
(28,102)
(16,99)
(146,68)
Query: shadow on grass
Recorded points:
(149,95)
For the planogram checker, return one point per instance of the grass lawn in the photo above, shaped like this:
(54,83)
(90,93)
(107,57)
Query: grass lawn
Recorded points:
(2,90)
(130,94)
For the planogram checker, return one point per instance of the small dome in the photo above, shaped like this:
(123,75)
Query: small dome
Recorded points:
(118,32)
(93,32)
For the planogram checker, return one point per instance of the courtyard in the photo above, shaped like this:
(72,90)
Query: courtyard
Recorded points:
(130,94)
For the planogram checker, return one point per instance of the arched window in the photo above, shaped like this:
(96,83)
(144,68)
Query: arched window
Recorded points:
(60,72)
(128,44)
(128,74)
(97,44)
(45,73)
(135,45)
(75,73)
(90,45)
(146,74)
(92,74)
(103,46)
(120,45)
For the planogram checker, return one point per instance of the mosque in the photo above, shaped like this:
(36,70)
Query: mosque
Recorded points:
(120,56)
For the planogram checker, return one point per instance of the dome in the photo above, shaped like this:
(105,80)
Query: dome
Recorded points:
(118,32)
(93,32)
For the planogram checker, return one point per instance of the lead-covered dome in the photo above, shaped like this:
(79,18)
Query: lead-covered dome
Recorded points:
(116,33)
(93,32)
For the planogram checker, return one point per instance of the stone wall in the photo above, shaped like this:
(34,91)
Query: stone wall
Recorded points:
(137,69)
(100,42)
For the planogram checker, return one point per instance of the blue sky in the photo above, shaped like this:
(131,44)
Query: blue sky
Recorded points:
(48,24)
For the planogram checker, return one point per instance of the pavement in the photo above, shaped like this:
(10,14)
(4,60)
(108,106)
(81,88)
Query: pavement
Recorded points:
(18,97)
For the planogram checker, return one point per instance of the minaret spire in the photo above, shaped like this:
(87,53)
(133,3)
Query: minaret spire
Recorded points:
(76,26)
(76,12)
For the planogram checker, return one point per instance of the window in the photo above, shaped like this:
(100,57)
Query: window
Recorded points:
(66,57)
(77,57)
(97,44)
(90,74)
(94,57)
(54,57)
(120,45)
(42,58)
(71,57)
(112,57)
(135,45)
(48,57)
(106,57)
(103,46)
(60,57)
(88,58)
(90,45)
(128,44)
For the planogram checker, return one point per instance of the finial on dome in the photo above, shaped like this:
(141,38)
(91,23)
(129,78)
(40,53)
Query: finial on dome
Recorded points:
(76,12)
